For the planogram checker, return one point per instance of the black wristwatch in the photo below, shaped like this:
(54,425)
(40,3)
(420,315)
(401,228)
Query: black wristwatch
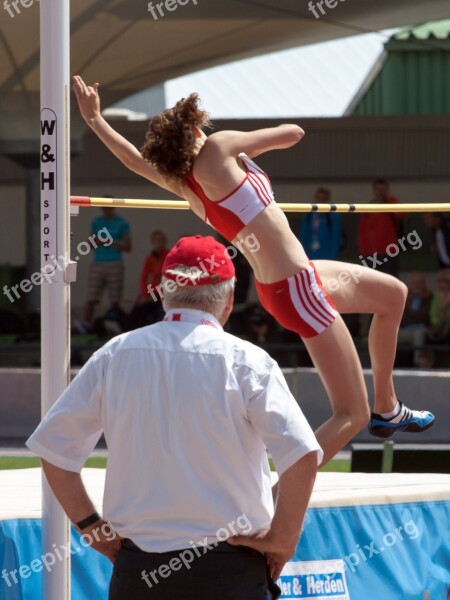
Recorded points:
(88,521)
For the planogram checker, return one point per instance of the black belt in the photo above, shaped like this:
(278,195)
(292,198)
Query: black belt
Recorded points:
(216,547)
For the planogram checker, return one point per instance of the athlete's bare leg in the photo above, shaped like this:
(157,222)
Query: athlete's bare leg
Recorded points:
(337,362)
(357,289)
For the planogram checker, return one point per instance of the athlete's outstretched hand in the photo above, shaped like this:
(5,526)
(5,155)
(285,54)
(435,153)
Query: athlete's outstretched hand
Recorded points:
(88,98)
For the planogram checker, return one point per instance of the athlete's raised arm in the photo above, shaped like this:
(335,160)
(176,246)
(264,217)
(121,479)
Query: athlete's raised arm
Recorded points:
(89,104)
(254,143)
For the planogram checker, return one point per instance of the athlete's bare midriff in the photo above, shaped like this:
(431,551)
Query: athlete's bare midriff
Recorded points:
(280,253)
(267,242)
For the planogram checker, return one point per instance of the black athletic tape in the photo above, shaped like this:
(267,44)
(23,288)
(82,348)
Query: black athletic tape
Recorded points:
(352,207)
(333,208)
(314,208)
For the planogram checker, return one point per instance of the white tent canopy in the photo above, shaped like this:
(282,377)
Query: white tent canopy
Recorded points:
(120,44)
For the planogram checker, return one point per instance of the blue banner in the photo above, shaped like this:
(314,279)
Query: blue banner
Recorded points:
(389,551)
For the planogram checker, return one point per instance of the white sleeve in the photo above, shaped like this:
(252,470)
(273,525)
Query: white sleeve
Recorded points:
(275,414)
(70,430)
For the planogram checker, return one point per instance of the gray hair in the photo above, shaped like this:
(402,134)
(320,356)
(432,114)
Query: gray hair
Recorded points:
(210,298)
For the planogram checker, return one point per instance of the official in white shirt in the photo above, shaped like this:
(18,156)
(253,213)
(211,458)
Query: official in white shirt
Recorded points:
(188,413)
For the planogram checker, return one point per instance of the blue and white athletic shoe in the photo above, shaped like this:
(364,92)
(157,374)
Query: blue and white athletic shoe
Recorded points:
(412,421)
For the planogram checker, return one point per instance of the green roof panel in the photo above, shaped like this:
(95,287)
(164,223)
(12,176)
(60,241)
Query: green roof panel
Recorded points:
(413,77)
(438,29)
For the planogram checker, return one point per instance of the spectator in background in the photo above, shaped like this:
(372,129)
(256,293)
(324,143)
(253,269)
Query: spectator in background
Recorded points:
(152,268)
(261,327)
(425,358)
(321,233)
(148,308)
(416,318)
(243,273)
(439,331)
(243,278)
(107,270)
(440,230)
(378,230)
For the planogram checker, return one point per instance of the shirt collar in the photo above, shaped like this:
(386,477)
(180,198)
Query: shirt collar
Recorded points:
(192,315)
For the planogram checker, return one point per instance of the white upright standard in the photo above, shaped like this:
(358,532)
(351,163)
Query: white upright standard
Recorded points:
(55,232)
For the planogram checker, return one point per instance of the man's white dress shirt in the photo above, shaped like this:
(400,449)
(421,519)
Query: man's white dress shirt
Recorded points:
(188,412)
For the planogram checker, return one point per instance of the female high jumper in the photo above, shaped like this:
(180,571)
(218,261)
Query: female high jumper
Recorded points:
(225,188)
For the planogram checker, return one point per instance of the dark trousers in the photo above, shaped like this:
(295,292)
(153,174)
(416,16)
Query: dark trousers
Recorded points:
(222,573)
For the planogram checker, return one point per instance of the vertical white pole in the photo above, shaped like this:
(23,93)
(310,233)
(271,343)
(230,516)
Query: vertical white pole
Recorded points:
(55,232)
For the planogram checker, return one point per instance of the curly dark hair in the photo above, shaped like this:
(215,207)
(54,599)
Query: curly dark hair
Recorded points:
(170,139)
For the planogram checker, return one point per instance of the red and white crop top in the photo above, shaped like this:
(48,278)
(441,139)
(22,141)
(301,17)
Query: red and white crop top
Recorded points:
(231,214)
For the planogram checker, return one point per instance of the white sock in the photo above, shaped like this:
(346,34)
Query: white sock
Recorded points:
(393,413)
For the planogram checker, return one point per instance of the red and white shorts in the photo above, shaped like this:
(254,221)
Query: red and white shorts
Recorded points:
(299,303)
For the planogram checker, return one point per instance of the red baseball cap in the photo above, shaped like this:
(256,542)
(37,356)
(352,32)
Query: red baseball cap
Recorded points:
(209,259)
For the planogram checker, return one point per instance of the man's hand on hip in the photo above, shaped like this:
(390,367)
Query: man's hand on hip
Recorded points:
(276,552)
(102,537)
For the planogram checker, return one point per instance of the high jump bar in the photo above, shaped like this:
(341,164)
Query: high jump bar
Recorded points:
(286,207)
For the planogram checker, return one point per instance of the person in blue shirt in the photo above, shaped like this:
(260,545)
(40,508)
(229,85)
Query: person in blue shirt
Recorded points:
(107,269)
(321,233)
